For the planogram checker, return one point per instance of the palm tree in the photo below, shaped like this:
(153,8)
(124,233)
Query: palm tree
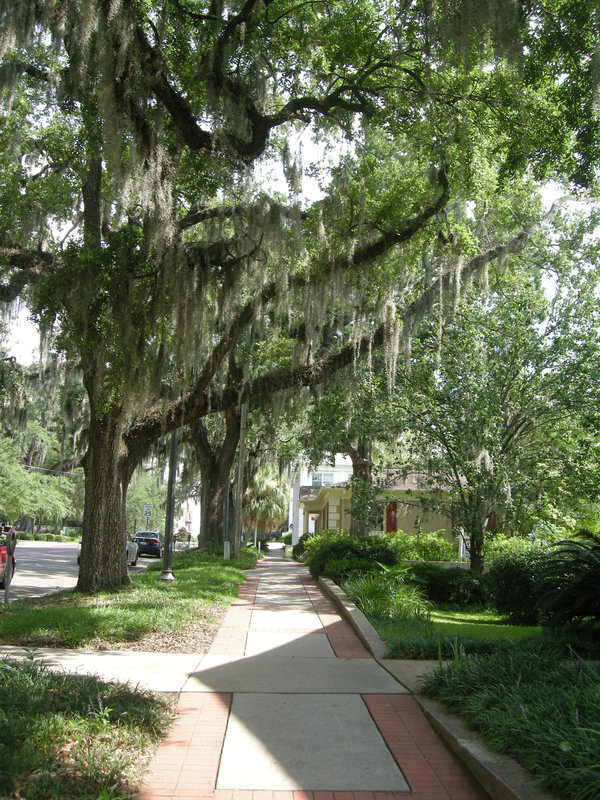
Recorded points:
(265,502)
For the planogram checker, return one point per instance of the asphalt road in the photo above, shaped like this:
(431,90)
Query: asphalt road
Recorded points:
(46,567)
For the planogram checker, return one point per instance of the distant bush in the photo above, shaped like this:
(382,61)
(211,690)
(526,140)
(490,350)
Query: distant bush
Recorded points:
(459,587)
(498,545)
(338,569)
(424,546)
(300,546)
(514,582)
(334,545)
(286,538)
(27,536)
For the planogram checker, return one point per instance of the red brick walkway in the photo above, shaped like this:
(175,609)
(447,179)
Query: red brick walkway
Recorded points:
(186,764)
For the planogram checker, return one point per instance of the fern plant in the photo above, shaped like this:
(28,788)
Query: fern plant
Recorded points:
(570,583)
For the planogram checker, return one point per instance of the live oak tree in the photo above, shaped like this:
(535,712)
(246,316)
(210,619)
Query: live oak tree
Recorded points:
(132,219)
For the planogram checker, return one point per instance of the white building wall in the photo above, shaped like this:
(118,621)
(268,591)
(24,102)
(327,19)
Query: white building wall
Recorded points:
(302,475)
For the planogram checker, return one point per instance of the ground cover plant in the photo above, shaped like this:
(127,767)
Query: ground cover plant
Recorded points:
(72,736)
(505,696)
(181,616)
(387,596)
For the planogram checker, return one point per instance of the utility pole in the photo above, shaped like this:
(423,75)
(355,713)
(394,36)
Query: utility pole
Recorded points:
(238,488)
(167,571)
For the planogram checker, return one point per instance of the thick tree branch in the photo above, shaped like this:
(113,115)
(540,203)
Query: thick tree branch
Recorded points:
(198,402)
(350,97)
(29,267)
(359,257)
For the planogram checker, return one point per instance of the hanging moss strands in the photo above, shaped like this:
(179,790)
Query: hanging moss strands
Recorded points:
(140,221)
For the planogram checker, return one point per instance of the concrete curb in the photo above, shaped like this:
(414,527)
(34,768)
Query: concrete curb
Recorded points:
(363,628)
(500,776)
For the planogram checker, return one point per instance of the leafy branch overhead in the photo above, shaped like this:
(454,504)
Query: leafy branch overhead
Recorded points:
(140,222)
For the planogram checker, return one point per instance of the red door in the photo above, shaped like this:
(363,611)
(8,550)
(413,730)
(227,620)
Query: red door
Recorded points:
(391,516)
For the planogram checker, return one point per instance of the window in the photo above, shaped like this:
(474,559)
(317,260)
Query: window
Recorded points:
(322,478)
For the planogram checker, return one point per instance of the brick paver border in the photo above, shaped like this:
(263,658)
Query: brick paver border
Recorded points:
(186,764)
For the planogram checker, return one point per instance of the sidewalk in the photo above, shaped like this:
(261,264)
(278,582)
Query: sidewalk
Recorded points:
(289,705)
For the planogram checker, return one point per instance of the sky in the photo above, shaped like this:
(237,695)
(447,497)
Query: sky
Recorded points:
(23,339)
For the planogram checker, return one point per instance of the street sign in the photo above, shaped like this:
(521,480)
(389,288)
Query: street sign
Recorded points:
(147,511)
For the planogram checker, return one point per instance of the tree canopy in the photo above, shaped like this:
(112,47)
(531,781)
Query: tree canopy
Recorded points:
(134,217)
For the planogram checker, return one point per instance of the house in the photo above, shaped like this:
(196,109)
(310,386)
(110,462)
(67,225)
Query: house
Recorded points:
(328,506)
(306,481)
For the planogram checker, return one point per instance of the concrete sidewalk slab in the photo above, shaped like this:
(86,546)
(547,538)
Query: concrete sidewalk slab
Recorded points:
(294,619)
(277,741)
(160,672)
(275,672)
(408,672)
(295,645)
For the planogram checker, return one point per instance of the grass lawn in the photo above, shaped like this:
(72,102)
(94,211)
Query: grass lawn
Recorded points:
(478,631)
(481,624)
(72,736)
(76,737)
(151,615)
(526,691)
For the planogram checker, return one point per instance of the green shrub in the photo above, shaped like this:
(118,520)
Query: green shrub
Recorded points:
(25,536)
(453,586)
(424,573)
(286,538)
(424,546)
(338,569)
(514,583)
(569,584)
(499,545)
(300,545)
(336,545)
(458,586)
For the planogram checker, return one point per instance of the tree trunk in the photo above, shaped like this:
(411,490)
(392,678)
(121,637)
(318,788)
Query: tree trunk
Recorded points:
(103,562)
(215,487)
(362,482)
(476,530)
(477,551)
(215,463)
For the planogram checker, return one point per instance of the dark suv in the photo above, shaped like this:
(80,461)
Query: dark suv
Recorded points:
(148,543)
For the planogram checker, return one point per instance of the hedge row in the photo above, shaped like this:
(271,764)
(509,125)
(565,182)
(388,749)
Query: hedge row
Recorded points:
(530,585)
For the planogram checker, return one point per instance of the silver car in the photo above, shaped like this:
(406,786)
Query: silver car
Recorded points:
(132,552)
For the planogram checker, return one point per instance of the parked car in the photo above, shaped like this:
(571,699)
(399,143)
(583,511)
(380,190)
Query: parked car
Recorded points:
(148,543)
(5,530)
(132,552)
